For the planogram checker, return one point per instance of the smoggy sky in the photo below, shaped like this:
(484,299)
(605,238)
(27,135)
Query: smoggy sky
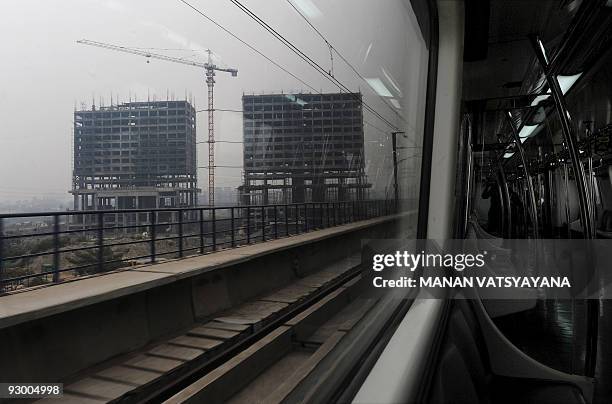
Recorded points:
(44,73)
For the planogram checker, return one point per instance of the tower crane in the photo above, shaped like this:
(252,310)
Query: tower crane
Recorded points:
(211,70)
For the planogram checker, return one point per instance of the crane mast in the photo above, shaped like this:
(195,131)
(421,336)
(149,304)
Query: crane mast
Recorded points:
(210,82)
(210,69)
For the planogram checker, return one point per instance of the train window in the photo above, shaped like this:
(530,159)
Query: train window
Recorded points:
(205,92)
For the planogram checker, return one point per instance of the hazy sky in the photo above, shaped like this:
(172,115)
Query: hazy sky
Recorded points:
(44,73)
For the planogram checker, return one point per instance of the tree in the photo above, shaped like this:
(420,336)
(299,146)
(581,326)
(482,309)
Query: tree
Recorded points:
(90,257)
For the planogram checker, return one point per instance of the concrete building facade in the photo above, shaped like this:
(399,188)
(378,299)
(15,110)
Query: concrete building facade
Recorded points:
(303,148)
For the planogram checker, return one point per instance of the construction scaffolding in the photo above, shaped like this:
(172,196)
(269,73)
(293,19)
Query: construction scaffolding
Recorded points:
(303,148)
(135,155)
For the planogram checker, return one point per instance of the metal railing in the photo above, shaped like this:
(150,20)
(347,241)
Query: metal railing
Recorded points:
(52,247)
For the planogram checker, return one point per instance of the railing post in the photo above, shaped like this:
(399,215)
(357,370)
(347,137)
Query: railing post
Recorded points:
(1,248)
(286,219)
(338,214)
(336,209)
(349,211)
(153,235)
(328,214)
(263,223)
(233,227)
(297,219)
(322,215)
(214,228)
(275,221)
(305,217)
(201,231)
(56,242)
(248,227)
(180,235)
(100,241)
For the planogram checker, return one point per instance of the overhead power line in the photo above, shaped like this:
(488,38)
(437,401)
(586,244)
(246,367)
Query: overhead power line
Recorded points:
(332,48)
(220,141)
(241,111)
(307,59)
(220,109)
(320,69)
(248,45)
(218,166)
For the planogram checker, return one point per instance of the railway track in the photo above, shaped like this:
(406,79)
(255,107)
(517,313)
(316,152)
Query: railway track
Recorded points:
(271,368)
(290,334)
(162,370)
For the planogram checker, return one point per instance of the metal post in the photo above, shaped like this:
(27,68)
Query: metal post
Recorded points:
(395,184)
(568,137)
(180,235)
(327,218)
(100,241)
(232,223)
(153,235)
(324,213)
(214,229)
(248,225)
(592,195)
(349,212)
(56,245)
(506,194)
(502,206)
(263,223)
(297,219)
(275,221)
(533,210)
(286,220)
(568,220)
(201,231)
(305,217)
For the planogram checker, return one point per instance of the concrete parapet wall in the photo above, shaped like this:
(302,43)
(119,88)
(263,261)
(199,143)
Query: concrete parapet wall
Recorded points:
(51,333)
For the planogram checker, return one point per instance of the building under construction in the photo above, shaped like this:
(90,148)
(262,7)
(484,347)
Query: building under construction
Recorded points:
(303,148)
(135,155)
